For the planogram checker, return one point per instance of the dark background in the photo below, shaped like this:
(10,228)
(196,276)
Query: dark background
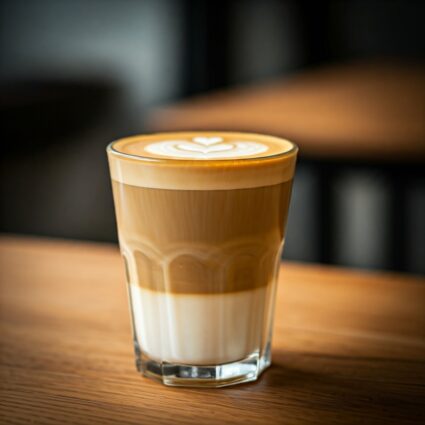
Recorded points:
(77,74)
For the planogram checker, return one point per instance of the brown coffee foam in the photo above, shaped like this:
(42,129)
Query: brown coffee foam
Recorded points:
(131,164)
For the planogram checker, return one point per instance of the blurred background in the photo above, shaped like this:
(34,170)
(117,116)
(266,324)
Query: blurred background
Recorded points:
(343,79)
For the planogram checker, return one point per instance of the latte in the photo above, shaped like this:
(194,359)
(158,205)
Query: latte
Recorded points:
(201,220)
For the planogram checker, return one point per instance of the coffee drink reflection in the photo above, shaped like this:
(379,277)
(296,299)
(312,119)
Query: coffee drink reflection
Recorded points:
(201,220)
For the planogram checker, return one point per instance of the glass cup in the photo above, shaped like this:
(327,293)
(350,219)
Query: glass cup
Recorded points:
(201,220)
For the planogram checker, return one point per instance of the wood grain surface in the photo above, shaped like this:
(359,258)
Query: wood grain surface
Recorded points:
(348,348)
(360,110)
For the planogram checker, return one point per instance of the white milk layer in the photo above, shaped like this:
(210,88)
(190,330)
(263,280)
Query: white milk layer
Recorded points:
(201,329)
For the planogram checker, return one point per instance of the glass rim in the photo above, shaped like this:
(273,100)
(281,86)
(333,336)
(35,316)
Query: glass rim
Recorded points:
(110,148)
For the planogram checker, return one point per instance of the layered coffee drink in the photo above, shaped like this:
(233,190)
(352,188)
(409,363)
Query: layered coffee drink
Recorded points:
(201,220)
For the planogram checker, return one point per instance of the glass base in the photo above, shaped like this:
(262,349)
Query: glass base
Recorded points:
(214,376)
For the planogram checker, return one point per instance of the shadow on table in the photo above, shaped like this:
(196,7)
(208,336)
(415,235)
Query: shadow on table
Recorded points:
(350,391)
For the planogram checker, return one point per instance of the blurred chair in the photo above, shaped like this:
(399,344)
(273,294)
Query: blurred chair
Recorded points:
(359,195)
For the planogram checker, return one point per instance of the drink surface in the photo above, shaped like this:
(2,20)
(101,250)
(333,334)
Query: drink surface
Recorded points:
(198,161)
(203,146)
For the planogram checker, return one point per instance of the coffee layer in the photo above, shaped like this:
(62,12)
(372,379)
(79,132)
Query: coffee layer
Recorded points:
(202,161)
(201,242)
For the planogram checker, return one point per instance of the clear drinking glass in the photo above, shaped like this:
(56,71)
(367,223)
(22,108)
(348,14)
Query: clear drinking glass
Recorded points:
(201,220)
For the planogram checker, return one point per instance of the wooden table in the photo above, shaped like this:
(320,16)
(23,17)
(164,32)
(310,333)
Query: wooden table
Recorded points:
(369,111)
(349,347)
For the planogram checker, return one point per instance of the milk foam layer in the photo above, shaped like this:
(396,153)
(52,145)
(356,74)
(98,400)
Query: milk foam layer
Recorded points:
(201,329)
(202,161)
(206,148)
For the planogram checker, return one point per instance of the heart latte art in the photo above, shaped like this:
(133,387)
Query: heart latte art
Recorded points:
(205,148)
